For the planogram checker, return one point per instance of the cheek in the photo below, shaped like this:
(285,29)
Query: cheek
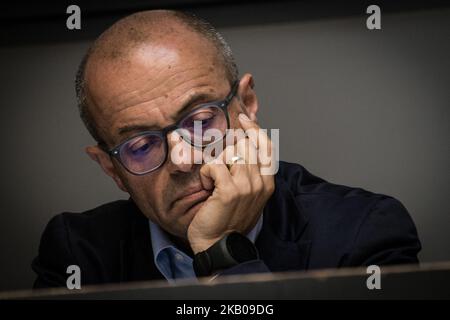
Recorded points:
(148,193)
(153,195)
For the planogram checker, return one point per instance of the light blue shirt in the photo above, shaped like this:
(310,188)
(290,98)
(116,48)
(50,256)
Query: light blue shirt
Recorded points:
(173,263)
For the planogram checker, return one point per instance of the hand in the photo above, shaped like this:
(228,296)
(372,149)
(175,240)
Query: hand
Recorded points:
(240,193)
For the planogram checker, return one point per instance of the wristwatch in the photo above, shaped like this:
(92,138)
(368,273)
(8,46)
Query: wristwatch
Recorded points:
(229,251)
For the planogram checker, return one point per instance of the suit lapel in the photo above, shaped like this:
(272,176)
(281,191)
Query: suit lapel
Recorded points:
(283,243)
(137,262)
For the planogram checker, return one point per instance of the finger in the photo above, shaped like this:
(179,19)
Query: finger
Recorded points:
(247,177)
(247,150)
(238,167)
(253,167)
(256,135)
(251,129)
(215,174)
(206,180)
(259,137)
(227,155)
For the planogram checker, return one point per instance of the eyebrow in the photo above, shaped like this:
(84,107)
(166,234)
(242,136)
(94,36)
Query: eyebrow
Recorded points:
(195,99)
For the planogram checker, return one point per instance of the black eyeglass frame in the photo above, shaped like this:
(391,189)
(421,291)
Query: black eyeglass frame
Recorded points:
(222,104)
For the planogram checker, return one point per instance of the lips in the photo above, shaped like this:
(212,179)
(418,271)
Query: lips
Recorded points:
(191,197)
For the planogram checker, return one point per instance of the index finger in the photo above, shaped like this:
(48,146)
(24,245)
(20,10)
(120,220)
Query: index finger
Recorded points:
(256,135)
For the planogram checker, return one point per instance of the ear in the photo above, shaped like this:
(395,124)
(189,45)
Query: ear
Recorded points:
(105,161)
(248,96)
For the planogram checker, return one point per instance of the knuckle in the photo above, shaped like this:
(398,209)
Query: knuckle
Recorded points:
(258,185)
(271,187)
(245,190)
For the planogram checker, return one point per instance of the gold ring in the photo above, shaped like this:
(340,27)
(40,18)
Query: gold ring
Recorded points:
(233,161)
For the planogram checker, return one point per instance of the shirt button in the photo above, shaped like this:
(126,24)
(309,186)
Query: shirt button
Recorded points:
(179,257)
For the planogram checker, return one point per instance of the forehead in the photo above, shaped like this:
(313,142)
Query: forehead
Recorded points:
(151,84)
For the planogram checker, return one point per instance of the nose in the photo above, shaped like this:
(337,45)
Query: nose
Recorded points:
(182,157)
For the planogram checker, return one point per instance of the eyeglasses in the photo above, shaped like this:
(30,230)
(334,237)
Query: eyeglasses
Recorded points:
(148,150)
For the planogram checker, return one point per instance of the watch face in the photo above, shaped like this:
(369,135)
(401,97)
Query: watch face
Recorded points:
(241,248)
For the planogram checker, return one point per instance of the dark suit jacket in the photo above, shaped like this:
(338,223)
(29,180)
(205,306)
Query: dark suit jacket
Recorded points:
(308,224)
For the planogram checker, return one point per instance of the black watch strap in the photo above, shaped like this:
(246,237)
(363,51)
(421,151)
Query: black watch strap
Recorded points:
(229,251)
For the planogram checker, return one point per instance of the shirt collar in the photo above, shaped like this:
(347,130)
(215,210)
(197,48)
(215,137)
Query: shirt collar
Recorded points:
(161,241)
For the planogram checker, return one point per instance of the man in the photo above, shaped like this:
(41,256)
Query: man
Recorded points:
(146,77)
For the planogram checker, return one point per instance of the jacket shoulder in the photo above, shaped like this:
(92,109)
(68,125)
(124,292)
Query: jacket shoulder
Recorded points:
(301,181)
(105,221)
(89,239)
(311,190)
(365,227)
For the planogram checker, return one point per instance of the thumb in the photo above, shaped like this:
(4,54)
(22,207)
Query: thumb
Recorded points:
(207,181)
(215,175)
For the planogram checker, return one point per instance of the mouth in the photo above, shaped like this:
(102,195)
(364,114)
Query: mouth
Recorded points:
(192,199)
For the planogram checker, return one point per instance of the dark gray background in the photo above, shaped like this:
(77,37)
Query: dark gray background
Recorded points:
(356,107)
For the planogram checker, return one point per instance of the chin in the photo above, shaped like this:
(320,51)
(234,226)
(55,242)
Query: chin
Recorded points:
(186,218)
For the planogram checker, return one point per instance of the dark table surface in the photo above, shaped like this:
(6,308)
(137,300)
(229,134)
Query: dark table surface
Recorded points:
(427,281)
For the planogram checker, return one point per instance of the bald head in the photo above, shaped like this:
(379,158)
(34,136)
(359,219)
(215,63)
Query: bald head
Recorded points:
(158,28)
